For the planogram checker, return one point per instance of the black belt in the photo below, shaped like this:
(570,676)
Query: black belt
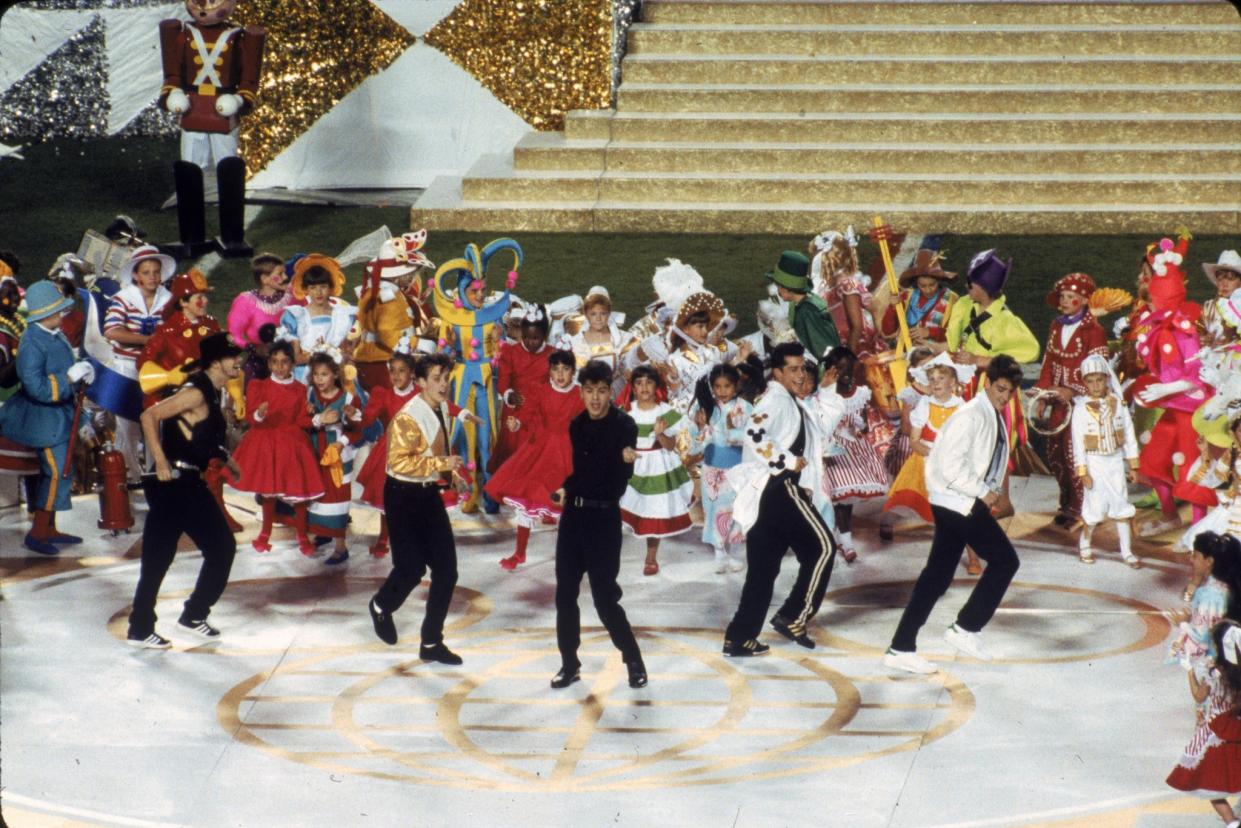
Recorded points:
(587,503)
(420,484)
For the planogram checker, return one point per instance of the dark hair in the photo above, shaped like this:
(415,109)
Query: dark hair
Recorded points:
(694,318)
(595,371)
(408,359)
(282,347)
(781,353)
(264,263)
(846,361)
(753,380)
(564,358)
(1004,367)
(10,259)
(267,333)
(1225,554)
(543,323)
(1231,673)
(647,371)
(838,356)
(920,353)
(423,366)
(321,358)
(316,275)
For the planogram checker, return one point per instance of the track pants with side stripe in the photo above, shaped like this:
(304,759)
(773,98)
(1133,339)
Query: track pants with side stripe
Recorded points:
(786,518)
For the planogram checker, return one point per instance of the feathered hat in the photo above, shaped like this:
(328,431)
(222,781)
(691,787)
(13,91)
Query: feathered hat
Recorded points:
(673,282)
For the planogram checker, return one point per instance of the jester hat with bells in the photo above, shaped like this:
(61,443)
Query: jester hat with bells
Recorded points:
(458,275)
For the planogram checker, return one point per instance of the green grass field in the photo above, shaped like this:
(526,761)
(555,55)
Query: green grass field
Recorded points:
(62,188)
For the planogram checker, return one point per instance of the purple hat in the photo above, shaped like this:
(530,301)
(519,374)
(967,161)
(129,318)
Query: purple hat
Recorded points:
(988,272)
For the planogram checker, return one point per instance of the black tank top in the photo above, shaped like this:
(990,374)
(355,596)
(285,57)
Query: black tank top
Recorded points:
(198,444)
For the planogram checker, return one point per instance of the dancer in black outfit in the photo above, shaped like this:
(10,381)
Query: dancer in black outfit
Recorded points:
(589,540)
(418,526)
(184,433)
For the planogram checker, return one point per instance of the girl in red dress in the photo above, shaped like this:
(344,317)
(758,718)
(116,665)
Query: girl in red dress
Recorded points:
(1211,764)
(522,373)
(541,463)
(385,401)
(274,455)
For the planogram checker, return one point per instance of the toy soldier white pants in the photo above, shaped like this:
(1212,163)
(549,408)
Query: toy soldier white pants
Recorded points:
(206,149)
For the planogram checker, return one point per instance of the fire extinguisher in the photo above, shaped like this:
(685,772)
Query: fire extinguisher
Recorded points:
(114,511)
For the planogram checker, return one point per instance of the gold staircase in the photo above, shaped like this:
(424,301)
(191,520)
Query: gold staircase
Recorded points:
(756,116)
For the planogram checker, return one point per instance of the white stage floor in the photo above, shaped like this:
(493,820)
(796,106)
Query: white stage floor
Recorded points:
(300,716)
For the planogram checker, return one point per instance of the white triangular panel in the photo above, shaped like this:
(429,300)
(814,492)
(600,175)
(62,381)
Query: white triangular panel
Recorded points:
(134,70)
(417,16)
(28,36)
(422,117)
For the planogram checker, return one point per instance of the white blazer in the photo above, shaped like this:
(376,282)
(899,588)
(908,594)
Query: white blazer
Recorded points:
(956,469)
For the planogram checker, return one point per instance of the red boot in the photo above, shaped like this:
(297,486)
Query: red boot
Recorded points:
(268,507)
(518,557)
(380,548)
(300,522)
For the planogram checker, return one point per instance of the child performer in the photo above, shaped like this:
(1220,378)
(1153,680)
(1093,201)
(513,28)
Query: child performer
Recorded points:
(697,345)
(1106,451)
(940,376)
(274,455)
(656,504)
(1208,767)
(384,403)
(521,373)
(545,459)
(901,447)
(717,429)
(854,470)
(336,421)
(601,339)
(1216,564)
(421,532)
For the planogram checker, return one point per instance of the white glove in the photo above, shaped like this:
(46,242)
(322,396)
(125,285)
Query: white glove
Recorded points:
(1159,390)
(177,102)
(81,372)
(227,105)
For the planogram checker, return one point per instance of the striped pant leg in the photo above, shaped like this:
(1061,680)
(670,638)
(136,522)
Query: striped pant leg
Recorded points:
(54,490)
(815,548)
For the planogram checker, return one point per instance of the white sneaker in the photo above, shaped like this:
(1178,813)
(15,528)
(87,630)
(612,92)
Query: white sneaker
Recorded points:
(967,642)
(909,662)
(721,562)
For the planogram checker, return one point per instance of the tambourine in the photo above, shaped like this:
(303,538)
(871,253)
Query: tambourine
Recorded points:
(1042,424)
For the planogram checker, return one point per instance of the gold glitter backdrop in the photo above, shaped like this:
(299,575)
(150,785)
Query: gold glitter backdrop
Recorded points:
(541,58)
(316,53)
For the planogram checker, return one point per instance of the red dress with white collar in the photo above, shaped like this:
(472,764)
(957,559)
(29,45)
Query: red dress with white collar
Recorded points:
(275,456)
(382,406)
(525,373)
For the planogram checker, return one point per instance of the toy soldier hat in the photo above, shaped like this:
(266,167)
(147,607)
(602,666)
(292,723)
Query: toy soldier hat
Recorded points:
(1229,262)
(988,272)
(187,284)
(147,252)
(1079,283)
(792,272)
(44,299)
(926,263)
(701,302)
(215,347)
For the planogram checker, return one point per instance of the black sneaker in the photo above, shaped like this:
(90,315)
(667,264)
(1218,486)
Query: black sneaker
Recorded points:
(154,641)
(384,627)
(781,625)
(637,674)
(199,628)
(743,649)
(566,676)
(439,652)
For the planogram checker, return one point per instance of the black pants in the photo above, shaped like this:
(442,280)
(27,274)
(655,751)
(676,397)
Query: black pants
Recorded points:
(786,518)
(420,536)
(589,543)
(177,507)
(953,531)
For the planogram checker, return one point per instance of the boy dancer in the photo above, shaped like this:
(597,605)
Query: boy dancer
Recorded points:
(418,526)
(964,475)
(589,540)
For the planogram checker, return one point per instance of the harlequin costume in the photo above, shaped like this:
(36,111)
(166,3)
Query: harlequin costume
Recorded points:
(211,78)
(334,447)
(317,331)
(518,372)
(1169,348)
(40,414)
(1071,339)
(541,462)
(925,313)
(275,456)
(386,313)
(475,333)
(656,502)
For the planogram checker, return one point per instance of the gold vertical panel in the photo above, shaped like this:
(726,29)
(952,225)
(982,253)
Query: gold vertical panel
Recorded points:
(541,58)
(316,53)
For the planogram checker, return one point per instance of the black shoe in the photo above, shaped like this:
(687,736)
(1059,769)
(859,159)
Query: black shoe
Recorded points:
(782,626)
(565,677)
(322,540)
(338,558)
(1064,521)
(439,652)
(743,649)
(384,627)
(637,674)
(199,628)
(153,641)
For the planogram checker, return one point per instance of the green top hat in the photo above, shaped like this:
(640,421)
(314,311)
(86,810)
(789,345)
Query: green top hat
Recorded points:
(792,272)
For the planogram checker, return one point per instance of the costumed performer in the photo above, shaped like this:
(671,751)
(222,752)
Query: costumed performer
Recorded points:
(326,320)
(808,314)
(927,299)
(254,309)
(718,421)
(335,429)
(384,403)
(41,414)
(602,338)
(521,372)
(544,458)
(697,343)
(211,77)
(1215,562)
(1214,330)
(390,307)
